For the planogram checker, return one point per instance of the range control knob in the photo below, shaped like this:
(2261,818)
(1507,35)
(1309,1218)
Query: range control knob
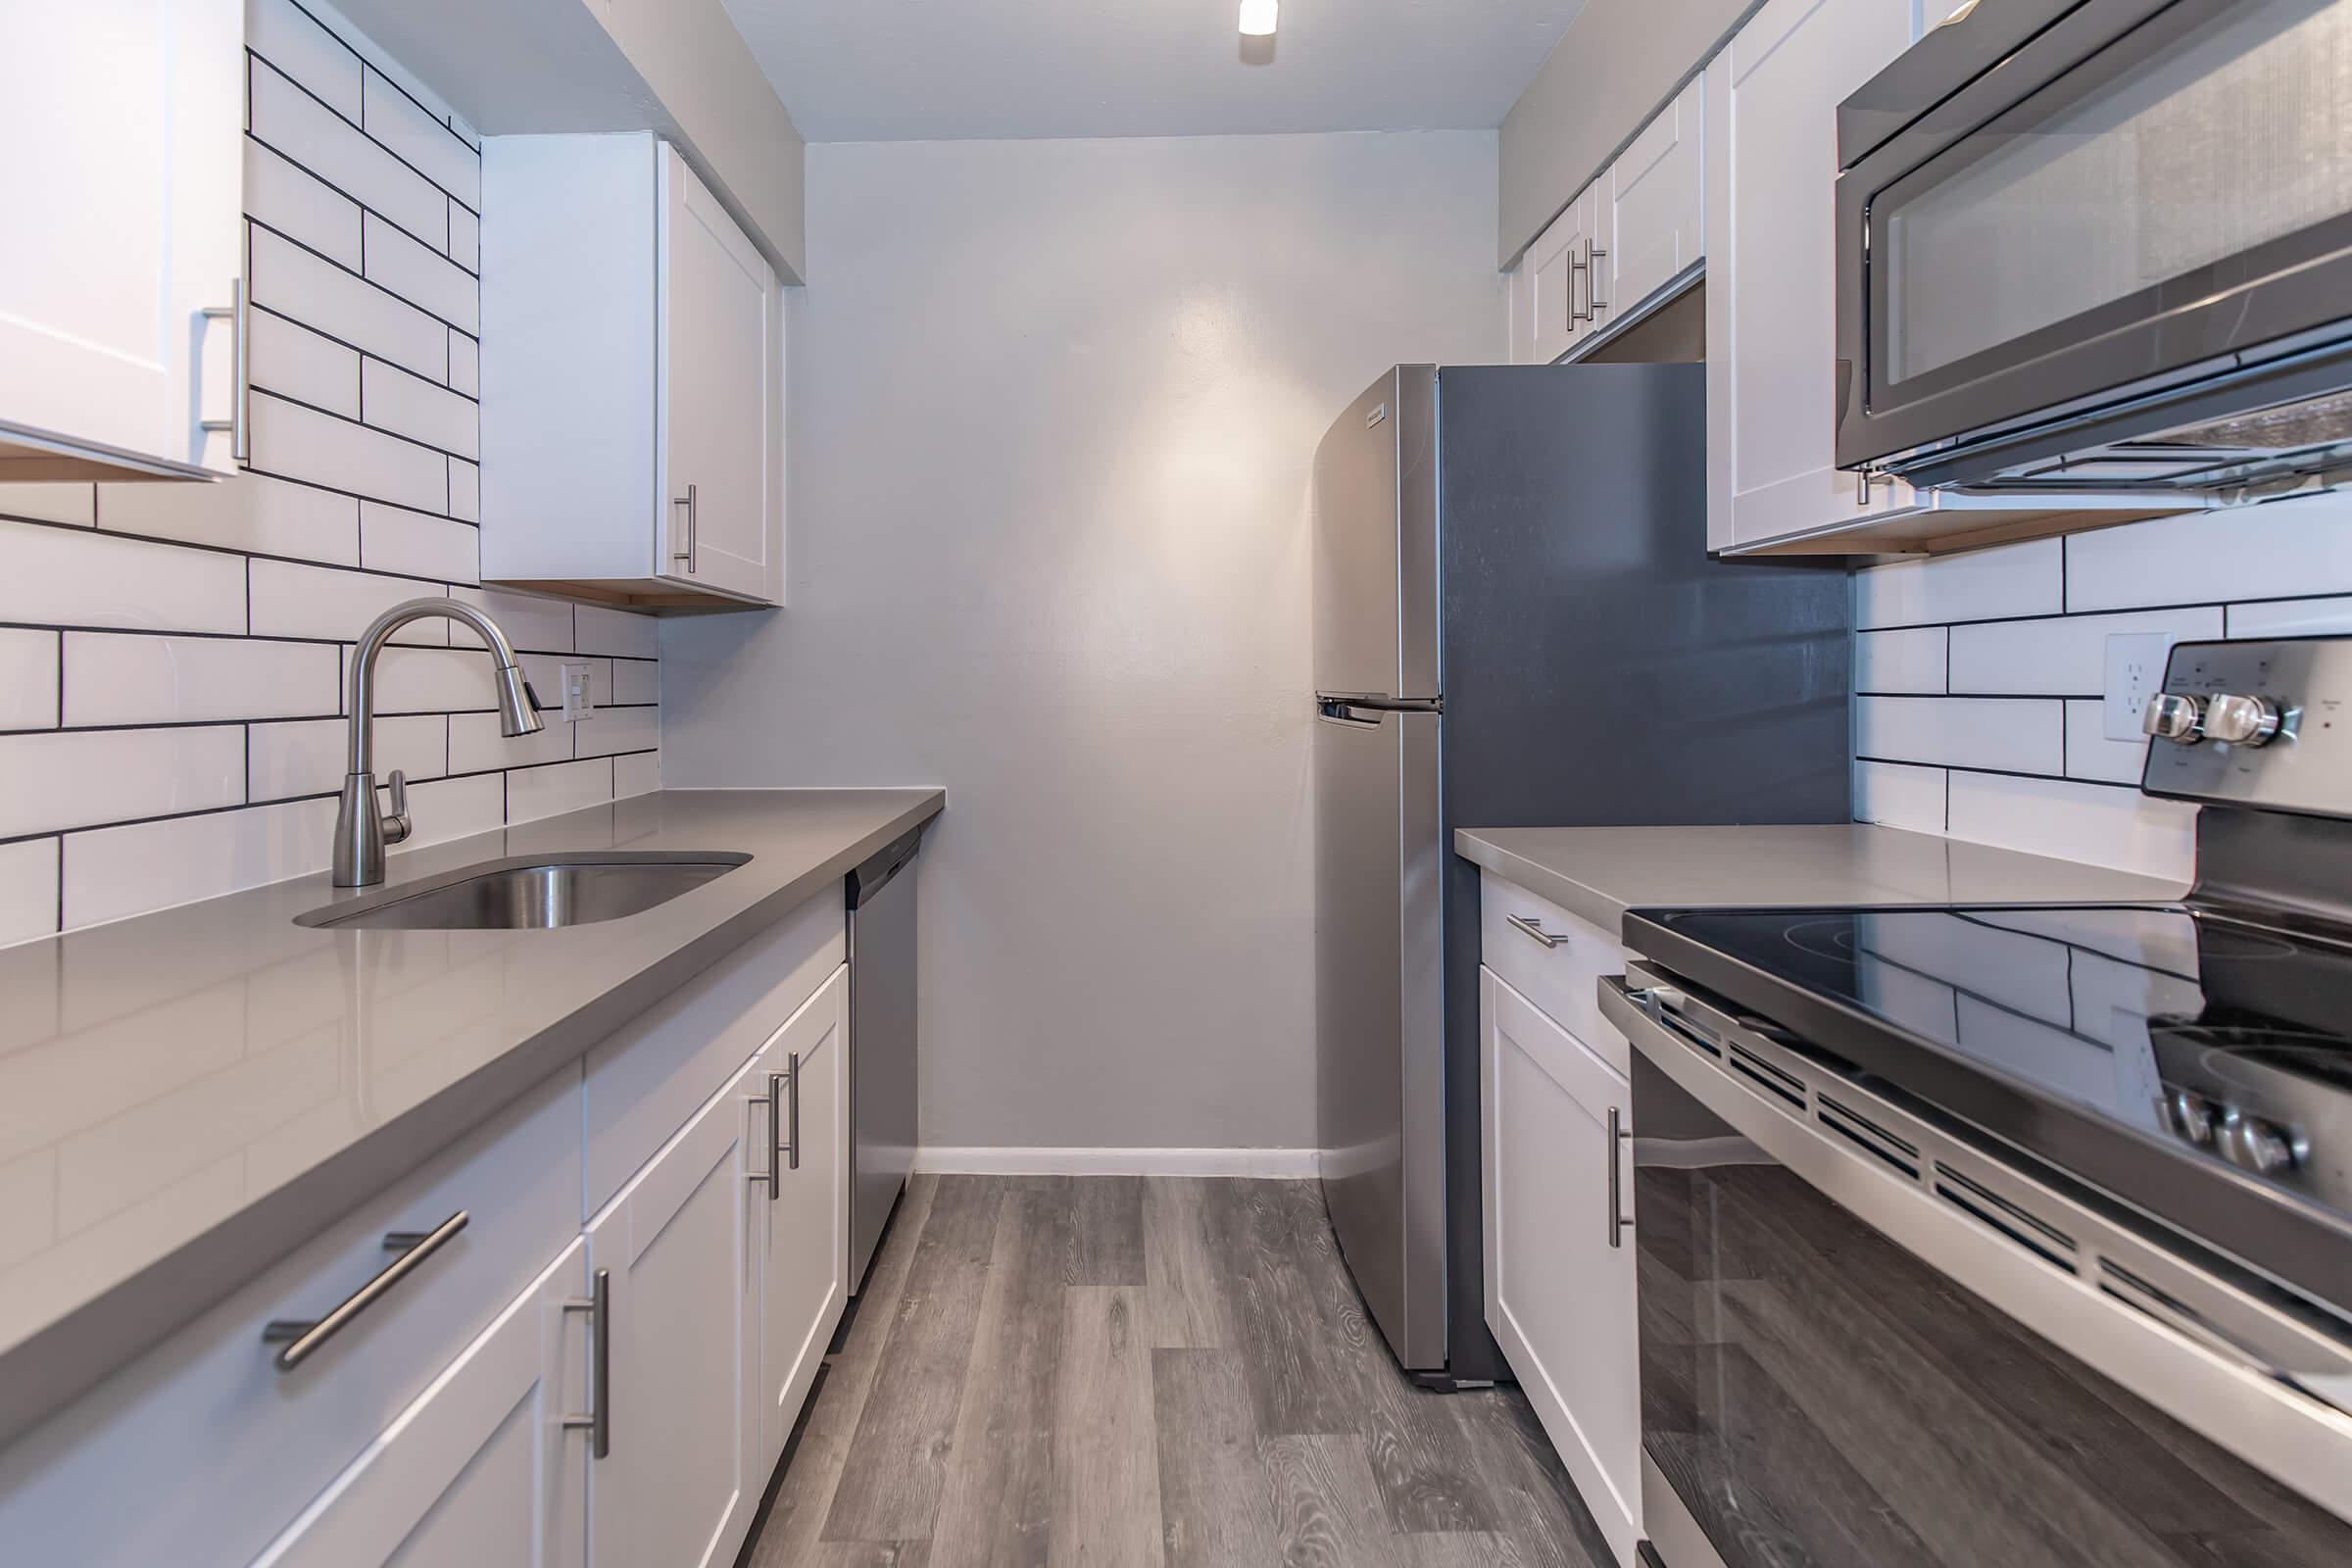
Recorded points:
(2241,720)
(2174,717)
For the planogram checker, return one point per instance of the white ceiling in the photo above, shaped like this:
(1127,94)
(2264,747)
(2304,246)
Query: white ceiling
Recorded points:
(948,70)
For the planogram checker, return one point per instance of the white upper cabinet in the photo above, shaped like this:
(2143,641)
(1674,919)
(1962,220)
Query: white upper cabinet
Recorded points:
(1655,211)
(125,190)
(1559,269)
(632,379)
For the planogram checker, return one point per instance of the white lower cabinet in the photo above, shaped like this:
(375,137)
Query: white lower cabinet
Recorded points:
(1559,1247)
(802,1224)
(674,1254)
(483,1468)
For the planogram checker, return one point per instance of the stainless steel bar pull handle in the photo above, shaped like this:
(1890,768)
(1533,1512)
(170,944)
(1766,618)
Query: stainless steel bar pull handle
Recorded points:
(597,1422)
(1526,925)
(771,1100)
(238,311)
(1593,256)
(1618,1218)
(1578,265)
(792,1133)
(692,502)
(301,1338)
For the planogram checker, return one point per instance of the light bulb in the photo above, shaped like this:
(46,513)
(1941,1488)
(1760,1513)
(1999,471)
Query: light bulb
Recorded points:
(1258,16)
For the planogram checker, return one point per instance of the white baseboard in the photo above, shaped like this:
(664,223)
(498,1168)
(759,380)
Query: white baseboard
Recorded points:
(1282,1162)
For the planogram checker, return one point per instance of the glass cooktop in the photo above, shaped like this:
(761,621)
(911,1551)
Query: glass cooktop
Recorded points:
(2233,1040)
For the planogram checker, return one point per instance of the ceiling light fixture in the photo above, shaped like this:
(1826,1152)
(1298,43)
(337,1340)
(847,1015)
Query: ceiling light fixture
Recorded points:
(1258,16)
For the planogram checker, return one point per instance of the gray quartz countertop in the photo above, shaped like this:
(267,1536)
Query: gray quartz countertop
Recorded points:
(187,1097)
(1597,874)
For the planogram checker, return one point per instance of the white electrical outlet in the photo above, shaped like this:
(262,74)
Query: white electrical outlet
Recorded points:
(576,706)
(2135,673)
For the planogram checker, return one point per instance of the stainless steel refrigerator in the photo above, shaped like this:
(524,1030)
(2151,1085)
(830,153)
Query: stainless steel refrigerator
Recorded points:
(1516,624)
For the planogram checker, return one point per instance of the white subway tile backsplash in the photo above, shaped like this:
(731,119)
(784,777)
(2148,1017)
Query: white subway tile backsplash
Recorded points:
(28,891)
(295,361)
(2026,736)
(307,132)
(299,205)
(464,364)
(2063,656)
(533,624)
(418,544)
(455,807)
(73,778)
(2291,617)
(77,577)
(292,39)
(1891,661)
(27,679)
(308,757)
(143,764)
(2090,755)
(620,632)
(639,773)
(2023,579)
(2300,547)
(475,745)
(420,409)
(304,444)
(464,490)
(618,729)
(636,681)
(536,792)
(49,502)
(433,680)
(119,679)
(1894,795)
(290,599)
(244,512)
(421,141)
(114,872)
(293,282)
(2095,822)
(424,278)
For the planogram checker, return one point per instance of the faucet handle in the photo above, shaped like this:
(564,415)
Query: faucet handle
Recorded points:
(397,825)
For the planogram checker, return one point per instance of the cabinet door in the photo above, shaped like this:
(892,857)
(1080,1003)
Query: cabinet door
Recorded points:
(126,118)
(1772,264)
(1559,1268)
(1656,205)
(1521,281)
(1559,266)
(481,1469)
(723,414)
(804,1221)
(676,1246)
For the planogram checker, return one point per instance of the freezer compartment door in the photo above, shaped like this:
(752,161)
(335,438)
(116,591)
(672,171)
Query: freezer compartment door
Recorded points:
(1379,1017)
(1375,542)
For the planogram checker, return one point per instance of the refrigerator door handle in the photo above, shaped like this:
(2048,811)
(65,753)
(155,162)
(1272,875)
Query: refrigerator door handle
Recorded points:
(1367,709)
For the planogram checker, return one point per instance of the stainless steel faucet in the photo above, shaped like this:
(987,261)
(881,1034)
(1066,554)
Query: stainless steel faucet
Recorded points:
(361,830)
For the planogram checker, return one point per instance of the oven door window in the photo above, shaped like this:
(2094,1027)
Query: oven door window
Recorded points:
(2203,151)
(1816,1395)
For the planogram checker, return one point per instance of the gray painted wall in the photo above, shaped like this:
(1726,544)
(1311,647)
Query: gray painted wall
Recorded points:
(1617,63)
(1053,408)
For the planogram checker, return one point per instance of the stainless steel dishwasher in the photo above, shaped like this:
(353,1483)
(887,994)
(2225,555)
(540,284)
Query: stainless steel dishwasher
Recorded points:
(882,1036)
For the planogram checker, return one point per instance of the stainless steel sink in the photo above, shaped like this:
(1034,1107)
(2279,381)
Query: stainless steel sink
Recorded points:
(530,893)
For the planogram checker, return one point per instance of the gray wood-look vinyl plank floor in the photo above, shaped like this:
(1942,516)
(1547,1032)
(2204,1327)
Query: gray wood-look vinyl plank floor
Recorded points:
(1122,1372)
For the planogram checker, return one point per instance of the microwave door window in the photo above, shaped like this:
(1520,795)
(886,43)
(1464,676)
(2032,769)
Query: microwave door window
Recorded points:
(2161,155)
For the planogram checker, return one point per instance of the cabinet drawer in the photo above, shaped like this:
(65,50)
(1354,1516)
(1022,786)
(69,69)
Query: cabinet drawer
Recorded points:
(1559,971)
(657,1070)
(202,1450)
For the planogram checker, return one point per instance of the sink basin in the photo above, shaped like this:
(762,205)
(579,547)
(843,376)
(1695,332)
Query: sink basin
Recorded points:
(531,893)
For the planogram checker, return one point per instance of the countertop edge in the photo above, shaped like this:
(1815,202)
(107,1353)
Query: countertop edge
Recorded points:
(1586,903)
(41,1374)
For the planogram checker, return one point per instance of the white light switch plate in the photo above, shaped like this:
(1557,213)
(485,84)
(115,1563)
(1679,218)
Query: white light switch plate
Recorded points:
(2135,673)
(575,692)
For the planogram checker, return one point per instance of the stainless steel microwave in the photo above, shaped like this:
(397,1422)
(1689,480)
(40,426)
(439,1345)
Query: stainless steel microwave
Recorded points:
(2102,244)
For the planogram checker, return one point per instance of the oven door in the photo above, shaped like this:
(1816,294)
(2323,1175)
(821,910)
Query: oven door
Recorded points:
(2101,220)
(1865,1341)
